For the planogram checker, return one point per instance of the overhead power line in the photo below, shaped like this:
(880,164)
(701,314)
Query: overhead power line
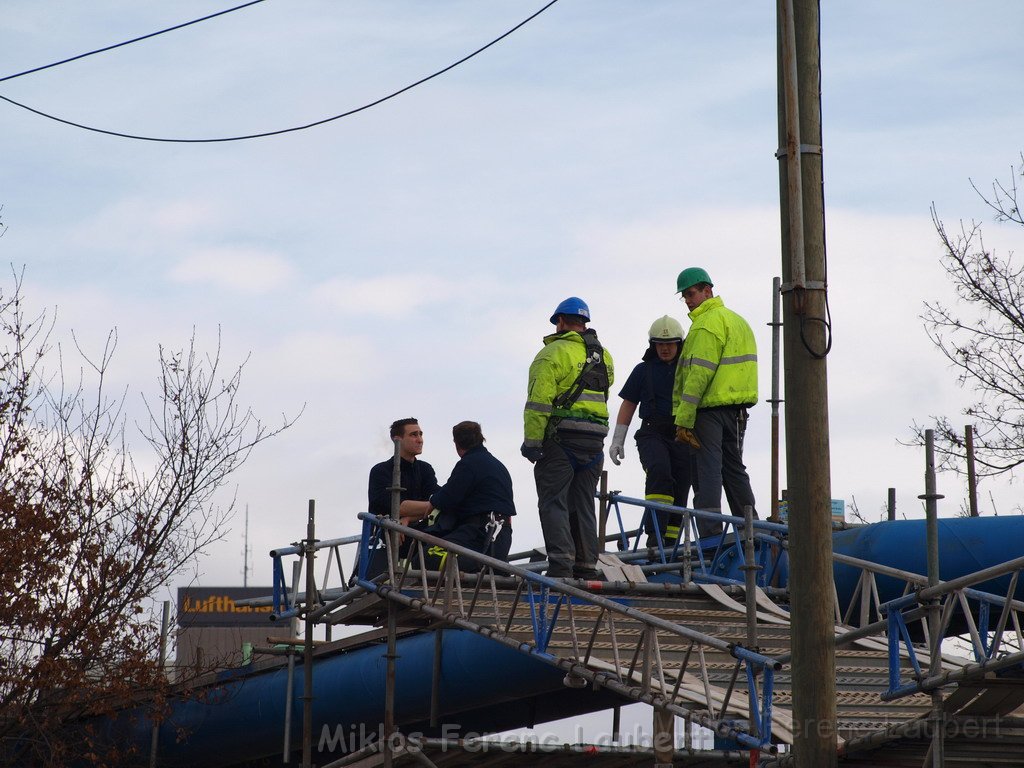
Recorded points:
(129,42)
(280,131)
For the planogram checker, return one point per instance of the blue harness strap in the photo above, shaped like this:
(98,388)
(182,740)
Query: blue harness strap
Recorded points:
(576,464)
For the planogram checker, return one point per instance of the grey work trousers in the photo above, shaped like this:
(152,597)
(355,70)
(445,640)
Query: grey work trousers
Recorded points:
(567,478)
(719,463)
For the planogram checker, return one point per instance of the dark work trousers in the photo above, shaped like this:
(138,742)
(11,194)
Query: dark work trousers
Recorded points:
(718,464)
(667,464)
(567,477)
(471,536)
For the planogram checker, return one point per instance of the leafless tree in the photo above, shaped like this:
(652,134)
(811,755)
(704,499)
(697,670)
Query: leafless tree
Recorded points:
(983,338)
(91,528)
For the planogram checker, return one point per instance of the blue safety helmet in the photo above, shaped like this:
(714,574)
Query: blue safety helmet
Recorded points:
(571,306)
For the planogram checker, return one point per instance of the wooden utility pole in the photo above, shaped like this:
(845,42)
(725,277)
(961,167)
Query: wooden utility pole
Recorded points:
(806,340)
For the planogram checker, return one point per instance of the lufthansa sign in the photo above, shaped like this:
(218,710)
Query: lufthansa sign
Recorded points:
(218,607)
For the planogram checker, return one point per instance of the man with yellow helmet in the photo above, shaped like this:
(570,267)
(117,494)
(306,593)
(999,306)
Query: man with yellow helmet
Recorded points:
(665,461)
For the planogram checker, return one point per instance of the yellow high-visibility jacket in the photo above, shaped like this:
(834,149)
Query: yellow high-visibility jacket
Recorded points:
(718,364)
(553,371)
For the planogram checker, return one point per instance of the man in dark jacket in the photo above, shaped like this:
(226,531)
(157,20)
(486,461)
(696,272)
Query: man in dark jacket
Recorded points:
(666,462)
(475,507)
(418,478)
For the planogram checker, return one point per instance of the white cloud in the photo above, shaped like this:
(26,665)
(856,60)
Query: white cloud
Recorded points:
(242,270)
(400,296)
(141,225)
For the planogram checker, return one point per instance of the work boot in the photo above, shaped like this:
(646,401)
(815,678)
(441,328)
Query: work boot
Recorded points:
(589,574)
(558,571)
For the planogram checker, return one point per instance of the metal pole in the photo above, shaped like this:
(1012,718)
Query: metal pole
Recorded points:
(890,508)
(164,621)
(805,337)
(750,579)
(750,570)
(307,656)
(602,517)
(776,325)
(290,684)
(392,625)
(289,693)
(396,504)
(389,685)
(972,478)
(930,497)
(245,551)
(931,508)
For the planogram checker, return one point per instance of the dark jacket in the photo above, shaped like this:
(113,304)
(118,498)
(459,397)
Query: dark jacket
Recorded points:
(479,484)
(650,384)
(418,479)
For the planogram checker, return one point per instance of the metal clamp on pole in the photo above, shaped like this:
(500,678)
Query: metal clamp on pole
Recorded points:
(805,149)
(806,285)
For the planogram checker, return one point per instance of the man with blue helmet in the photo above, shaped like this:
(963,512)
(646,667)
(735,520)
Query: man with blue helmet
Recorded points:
(565,424)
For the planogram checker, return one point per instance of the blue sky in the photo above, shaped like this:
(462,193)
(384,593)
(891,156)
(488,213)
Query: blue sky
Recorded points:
(404,261)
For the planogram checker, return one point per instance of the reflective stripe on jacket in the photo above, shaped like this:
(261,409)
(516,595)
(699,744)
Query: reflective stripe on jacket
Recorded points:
(718,364)
(552,372)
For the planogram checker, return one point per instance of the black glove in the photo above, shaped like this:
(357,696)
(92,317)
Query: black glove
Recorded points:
(532,453)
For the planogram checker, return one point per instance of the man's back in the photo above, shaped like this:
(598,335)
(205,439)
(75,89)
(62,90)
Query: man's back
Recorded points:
(718,364)
(479,484)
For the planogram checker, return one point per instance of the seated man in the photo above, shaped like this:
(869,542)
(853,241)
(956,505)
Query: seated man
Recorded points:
(475,506)
(417,479)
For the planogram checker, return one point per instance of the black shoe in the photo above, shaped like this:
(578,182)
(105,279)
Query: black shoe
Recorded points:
(666,542)
(589,574)
(558,573)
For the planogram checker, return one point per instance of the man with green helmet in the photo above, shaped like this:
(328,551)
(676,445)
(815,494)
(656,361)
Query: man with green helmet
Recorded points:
(665,461)
(565,422)
(716,381)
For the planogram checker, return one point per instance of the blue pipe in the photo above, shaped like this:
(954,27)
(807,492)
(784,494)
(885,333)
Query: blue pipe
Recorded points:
(966,545)
(242,719)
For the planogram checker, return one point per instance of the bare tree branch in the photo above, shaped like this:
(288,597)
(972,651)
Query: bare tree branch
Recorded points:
(982,338)
(90,531)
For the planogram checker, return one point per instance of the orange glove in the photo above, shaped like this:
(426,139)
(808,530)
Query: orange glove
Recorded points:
(684,435)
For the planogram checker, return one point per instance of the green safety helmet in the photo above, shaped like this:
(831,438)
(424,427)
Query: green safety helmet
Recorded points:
(690,277)
(666,329)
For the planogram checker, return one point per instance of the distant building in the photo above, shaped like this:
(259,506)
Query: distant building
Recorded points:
(213,628)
